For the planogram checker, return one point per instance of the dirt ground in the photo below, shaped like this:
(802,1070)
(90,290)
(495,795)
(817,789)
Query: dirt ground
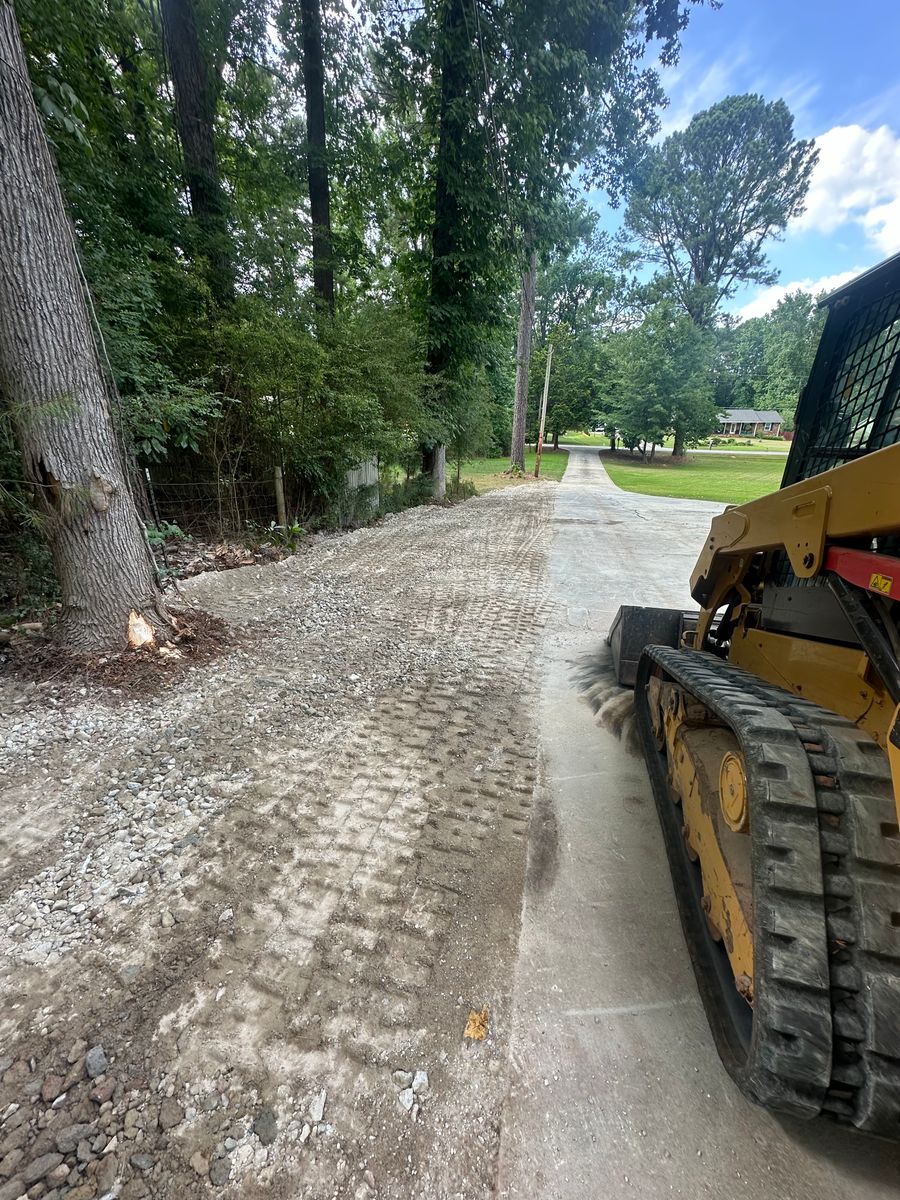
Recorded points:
(243,920)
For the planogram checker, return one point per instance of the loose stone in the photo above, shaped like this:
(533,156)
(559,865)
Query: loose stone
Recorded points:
(95,1061)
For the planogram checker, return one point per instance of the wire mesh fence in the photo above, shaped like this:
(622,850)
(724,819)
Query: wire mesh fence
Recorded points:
(215,508)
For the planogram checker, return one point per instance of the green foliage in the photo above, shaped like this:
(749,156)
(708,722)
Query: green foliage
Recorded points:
(461,489)
(454,135)
(764,362)
(164,531)
(287,536)
(579,377)
(706,201)
(664,379)
(395,495)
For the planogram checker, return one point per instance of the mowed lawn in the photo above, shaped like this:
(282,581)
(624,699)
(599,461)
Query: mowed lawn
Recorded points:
(736,445)
(733,480)
(489,473)
(584,439)
(767,445)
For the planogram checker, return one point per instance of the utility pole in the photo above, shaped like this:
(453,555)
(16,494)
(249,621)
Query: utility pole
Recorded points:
(540,441)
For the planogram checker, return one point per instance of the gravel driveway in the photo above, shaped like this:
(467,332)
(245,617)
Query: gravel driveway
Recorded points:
(243,921)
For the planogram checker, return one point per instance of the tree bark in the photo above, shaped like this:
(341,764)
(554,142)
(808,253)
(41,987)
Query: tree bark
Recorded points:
(53,386)
(612,441)
(195,111)
(458,84)
(678,444)
(316,155)
(523,359)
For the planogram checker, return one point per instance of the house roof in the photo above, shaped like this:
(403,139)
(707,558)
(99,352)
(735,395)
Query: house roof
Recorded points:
(750,416)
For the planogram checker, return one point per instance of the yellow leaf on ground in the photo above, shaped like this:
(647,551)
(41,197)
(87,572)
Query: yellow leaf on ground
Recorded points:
(477,1025)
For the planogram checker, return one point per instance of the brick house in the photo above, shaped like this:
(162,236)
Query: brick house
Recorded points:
(749,422)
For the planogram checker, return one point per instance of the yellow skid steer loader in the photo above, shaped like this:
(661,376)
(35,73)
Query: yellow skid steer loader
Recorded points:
(770,724)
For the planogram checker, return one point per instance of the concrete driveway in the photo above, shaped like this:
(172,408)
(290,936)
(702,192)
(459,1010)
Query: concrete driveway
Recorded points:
(616,1087)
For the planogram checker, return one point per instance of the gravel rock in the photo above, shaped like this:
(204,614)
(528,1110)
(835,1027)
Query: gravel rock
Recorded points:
(266,1127)
(96,1062)
(76,1051)
(39,1168)
(67,1139)
(407,1098)
(199,1163)
(58,1175)
(51,1087)
(10,1162)
(170,1114)
(108,1173)
(402,1079)
(17,1073)
(219,1171)
(317,1106)
(103,1091)
(420,1084)
(143,1162)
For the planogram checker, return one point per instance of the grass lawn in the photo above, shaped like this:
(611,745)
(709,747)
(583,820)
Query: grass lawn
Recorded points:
(487,473)
(770,445)
(584,439)
(732,480)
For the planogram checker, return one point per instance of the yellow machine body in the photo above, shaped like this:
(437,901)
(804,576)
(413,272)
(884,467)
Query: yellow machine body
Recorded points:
(770,725)
(857,501)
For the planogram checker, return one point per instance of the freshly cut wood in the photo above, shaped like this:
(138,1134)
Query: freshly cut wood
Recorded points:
(52,383)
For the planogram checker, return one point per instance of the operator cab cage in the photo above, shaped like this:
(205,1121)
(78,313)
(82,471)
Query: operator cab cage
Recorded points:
(851,403)
(849,407)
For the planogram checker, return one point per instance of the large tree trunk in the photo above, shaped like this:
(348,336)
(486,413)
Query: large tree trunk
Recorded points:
(316,154)
(458,86)
(523,359)
(52,384)
(195,119)
(678,444)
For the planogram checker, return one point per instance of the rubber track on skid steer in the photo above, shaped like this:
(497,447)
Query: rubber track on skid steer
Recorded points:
(826,876)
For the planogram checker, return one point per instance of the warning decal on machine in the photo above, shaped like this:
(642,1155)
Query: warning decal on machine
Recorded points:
(881,583)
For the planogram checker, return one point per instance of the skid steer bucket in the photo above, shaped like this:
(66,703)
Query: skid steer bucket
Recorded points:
(635,627)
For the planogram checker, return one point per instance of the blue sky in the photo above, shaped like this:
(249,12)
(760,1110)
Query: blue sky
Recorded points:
(837,66)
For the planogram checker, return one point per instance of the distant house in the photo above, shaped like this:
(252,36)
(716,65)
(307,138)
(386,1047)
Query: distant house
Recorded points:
(748,422)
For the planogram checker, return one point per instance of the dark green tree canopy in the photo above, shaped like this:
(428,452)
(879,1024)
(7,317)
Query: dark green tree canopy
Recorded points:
(706,201)
(764,362)
(665,380)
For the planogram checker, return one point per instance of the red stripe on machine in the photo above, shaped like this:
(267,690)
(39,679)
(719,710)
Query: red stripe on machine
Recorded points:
(879,573)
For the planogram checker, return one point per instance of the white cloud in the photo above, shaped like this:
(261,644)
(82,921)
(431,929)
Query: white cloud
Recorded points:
(857,178)
(767,299)
(694,85)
